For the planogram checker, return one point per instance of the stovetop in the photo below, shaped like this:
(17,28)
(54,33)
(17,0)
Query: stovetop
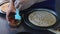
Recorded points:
(6,29)
(49,4)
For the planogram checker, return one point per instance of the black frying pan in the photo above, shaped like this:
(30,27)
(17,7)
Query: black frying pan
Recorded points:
(26,20)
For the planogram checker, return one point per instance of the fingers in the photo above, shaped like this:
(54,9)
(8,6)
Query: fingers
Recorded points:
(12,0)
(7,15)
(12,7)
(19,3)
(20,7)
(23,1)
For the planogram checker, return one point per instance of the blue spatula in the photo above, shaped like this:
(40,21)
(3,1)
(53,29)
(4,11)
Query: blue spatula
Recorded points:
(17,16)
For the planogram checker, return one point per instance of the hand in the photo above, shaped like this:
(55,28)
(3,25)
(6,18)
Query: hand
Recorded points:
(25,3)
(19,3)
(10,9)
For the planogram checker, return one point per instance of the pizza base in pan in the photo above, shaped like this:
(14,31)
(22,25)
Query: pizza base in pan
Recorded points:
(42,18)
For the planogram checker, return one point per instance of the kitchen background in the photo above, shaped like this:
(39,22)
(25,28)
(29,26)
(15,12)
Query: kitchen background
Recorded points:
(50,4)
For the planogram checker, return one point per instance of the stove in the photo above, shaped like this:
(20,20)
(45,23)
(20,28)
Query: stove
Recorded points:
(49,4)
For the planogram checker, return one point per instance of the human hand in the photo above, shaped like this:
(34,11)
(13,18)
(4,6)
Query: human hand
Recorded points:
(11,9)
(26,3)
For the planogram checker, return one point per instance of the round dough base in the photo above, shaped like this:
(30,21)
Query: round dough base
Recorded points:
(42,18)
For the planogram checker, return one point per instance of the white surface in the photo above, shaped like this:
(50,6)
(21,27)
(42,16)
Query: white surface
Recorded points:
(55,31)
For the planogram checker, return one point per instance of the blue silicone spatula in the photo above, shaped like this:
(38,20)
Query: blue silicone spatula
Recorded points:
(17,16)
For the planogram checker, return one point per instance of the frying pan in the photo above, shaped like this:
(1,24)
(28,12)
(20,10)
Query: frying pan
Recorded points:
(28,23)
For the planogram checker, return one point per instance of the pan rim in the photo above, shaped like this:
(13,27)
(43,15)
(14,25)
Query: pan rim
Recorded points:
(26,20)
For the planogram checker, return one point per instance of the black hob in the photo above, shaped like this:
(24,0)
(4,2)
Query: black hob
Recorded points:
(49,4)
(6,29)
